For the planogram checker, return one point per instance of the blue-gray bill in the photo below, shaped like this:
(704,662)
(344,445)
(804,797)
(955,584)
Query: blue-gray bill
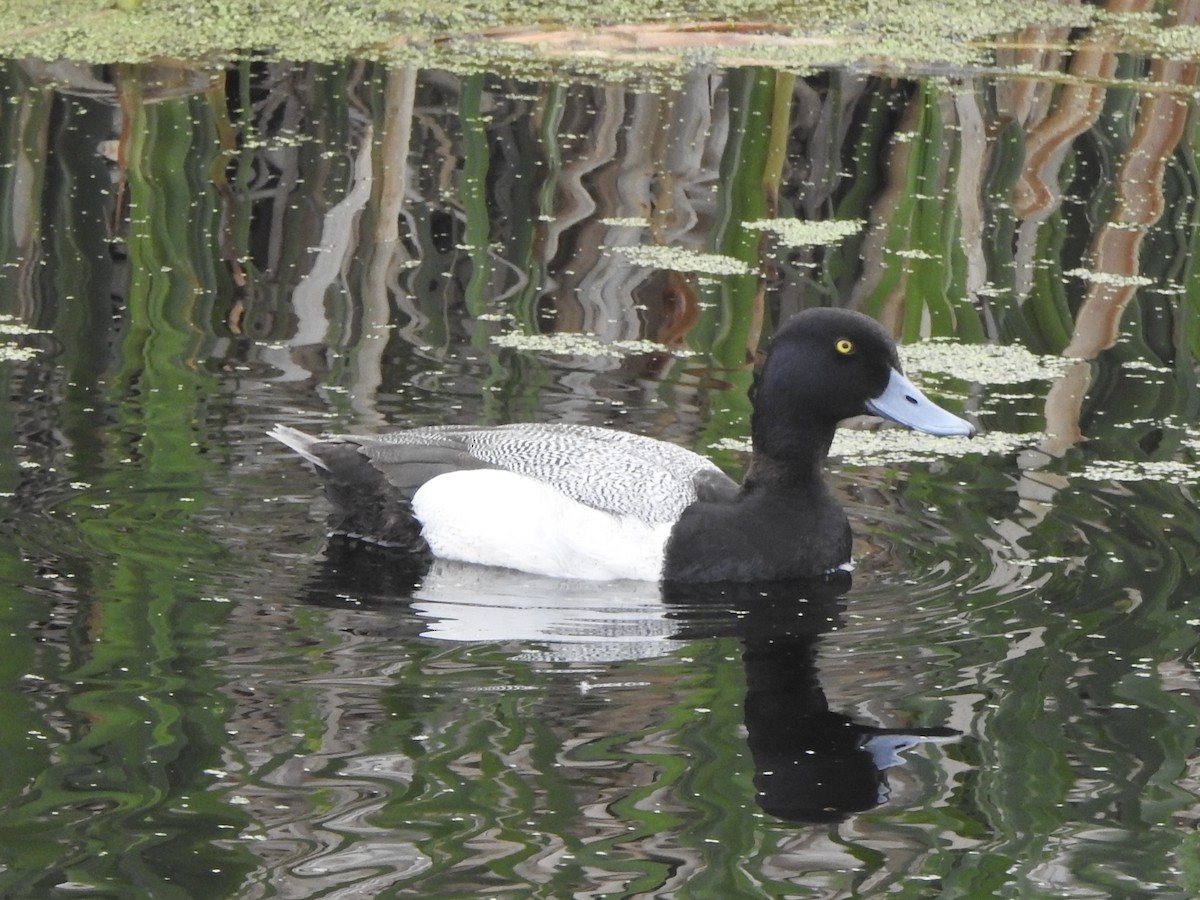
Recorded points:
(903,402)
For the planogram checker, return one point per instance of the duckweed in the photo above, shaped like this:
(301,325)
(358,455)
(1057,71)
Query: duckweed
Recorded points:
(1111,279)
(984,363)
(1169,470)
(613,39)
(886,446)
(625,222)
(11,352)
(679,259)
(799,233)
(574,344)
(11,326)
(891,445)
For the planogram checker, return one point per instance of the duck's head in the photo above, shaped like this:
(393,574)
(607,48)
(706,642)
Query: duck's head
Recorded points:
(826,365)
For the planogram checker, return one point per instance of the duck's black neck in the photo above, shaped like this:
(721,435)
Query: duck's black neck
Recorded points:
(789,459)
(784,523)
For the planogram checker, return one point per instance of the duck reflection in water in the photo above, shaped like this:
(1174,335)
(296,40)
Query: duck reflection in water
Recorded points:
(812,764)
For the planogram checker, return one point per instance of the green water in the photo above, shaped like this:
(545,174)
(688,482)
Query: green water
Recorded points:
(201,699)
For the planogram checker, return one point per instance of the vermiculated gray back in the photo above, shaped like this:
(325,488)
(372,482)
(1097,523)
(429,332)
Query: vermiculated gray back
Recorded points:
(609,470)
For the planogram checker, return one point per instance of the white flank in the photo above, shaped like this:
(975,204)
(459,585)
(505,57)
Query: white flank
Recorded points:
(493,517)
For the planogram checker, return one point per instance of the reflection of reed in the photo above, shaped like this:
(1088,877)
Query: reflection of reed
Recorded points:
(470,206)
(1053,119)
(1139,204)
(373,221)
(1053,123)
(1116,258)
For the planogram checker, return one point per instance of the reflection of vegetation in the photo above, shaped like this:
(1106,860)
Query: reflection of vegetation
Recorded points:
(1075,676)
(138,717)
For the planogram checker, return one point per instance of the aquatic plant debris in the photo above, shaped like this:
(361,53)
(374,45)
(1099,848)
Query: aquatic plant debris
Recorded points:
(625,222)
(887,446)
(1144,33)
(680,259)
(893,445)
(11,352)
(574,344)
(11,326)
(1167,470)
(799,233)
(474,34)
(983,363)
(1112,279)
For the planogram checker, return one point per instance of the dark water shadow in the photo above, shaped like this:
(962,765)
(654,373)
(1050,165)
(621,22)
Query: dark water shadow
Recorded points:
(812,764)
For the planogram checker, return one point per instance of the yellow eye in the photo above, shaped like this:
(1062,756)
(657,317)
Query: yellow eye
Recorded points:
(844,346)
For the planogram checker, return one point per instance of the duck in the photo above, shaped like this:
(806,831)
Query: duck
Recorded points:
(586,502)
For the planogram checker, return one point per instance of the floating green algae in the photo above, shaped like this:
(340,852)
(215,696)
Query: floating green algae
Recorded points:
(478,34)
(625,222)
(886,446)
(799,233)
(1167,470)
(893,445)
(680,259)
(984,363)
(10,326)
(1111,279)
(575,344)
(10,352)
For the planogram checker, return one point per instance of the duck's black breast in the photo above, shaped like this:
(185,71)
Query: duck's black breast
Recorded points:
(766,533)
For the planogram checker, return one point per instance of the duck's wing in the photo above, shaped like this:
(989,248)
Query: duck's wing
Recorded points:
(347,460)
(608,470)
